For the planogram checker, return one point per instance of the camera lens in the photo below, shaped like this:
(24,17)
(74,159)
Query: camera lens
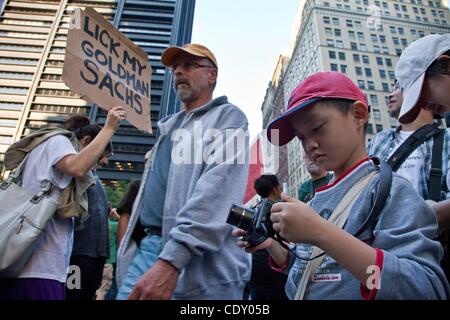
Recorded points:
(240,217)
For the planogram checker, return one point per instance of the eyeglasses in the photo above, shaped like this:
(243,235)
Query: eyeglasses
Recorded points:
(188,66)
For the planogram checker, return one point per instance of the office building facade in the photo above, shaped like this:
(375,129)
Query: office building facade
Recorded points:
(32,44)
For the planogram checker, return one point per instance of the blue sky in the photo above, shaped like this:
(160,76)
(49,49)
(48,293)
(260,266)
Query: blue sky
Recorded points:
(246,37)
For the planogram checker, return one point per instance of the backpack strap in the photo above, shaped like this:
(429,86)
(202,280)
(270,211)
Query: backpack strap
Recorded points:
(435,179)
(16,177)
(383,189)
(409,145)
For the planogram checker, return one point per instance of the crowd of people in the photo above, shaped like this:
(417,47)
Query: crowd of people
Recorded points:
(371,223)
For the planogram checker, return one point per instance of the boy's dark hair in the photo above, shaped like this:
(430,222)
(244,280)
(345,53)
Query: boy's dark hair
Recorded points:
(265,184)
(343,106)
(439,66)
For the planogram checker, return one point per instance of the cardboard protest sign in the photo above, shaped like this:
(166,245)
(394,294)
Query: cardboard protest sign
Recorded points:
(106,68)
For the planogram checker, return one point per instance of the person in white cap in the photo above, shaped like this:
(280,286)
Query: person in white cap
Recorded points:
(188,251)
(423,71)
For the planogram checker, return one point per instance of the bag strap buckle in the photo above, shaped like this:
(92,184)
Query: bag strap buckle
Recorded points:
(46,188)
(5,184)
(436,172)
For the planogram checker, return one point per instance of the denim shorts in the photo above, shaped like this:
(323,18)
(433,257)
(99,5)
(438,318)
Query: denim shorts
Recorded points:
(147,254)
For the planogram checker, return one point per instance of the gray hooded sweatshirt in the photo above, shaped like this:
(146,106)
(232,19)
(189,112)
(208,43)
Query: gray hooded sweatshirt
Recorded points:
(410,266)
(204,180)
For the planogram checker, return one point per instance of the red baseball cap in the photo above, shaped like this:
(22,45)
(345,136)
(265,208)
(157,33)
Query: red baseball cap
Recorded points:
(319,86)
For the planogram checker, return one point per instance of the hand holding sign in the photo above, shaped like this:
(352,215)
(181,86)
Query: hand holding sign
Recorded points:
(114,116)
(107,68)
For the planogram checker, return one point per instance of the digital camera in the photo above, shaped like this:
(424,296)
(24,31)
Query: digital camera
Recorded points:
(255,221)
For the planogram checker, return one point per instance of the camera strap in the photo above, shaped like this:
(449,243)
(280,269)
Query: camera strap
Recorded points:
(338,218)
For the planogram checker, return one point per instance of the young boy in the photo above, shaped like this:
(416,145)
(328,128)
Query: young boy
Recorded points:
(398,258)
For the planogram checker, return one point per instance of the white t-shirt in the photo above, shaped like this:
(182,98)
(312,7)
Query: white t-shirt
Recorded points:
(50,258)
(410,168)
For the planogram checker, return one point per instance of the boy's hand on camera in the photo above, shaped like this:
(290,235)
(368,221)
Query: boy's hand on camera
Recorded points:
(296,221)
(244,244)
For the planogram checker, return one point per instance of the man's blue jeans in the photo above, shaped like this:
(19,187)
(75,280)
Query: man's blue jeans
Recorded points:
(148,252)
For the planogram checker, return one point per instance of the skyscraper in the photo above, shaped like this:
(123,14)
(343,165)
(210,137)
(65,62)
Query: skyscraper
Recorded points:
(32,44)
(363,39)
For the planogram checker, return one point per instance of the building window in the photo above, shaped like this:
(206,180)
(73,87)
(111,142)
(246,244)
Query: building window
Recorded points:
(374,100)
(330,42)
(19,61)
(339,44)
(374,38)
(368,72)
(388,62)
(362,47)
(337,32)
(353,46)
(55,77)
(328,31)
(351,35)
(349,23)
(385,87)
(361,84)
(376,114)
(379,127)
(382,74)
(343,68)
(326,20)
(341,56)
(365,59)
(370,85)
(395,41)
(11,106)
(376,49)
(360,36)
(16,75)
(336,21)
(356,58)
(18,47)
(382,38)
(398,52)
(391,75)
(358,71)
(13,90)
(8,123)
(334,67)
(379,61)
